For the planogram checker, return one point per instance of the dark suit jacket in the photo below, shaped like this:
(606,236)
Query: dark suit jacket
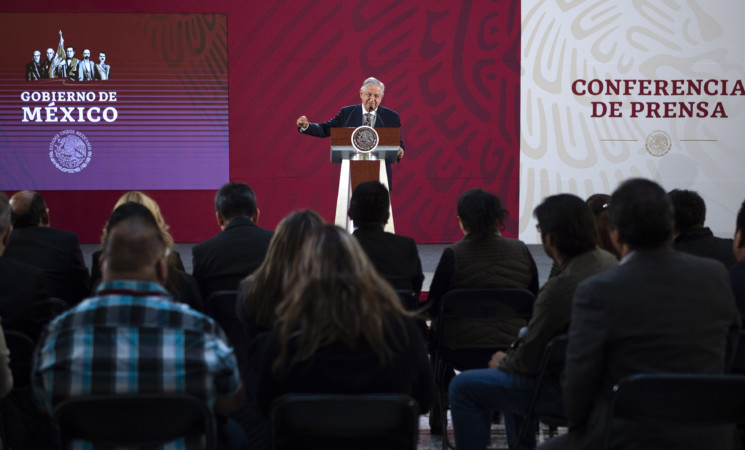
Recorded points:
(34,71)
(395,257)
(702,242)
(21,287)
(351,116)
(220,263)
(58,254)
(658,311)
(737,276)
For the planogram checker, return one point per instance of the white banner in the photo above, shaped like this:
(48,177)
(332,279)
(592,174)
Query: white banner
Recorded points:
(644,88)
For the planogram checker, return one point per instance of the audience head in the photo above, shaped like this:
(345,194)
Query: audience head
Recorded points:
(369,205)
(28,209)
(689,209)
(335,295)
(5,227)
(134,248)
(566,225)
(233,200)
(152,206)
(598,204)
(264,289)
(480,213)
(641,215)
(739,242)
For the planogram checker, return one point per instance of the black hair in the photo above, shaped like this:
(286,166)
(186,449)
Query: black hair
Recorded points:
(235,199)
(369,205)
(481,213)
(689,210)
(642,213)
(741,218)
(569,222)
(32,216)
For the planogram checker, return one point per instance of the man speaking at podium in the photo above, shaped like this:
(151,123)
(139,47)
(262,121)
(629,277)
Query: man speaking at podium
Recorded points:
(368,113)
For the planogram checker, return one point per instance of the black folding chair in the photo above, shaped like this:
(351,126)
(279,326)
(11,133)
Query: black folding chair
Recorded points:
(552,363)
(21,355)
(329,421)
(688,400)
(135,420)
(476,305)
(46,310)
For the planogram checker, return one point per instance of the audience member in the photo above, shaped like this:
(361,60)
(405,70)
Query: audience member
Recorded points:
(658,311)
(569,237)
(482,259)
(180,285)
(342,329)
(84,350)
(220,263)
(691,236)
(21,285)
(396,258)
(598,204)
(737,271)
(260,294)
(54,251)
(262,291)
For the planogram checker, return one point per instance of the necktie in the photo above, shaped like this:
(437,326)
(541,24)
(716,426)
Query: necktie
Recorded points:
(367,120)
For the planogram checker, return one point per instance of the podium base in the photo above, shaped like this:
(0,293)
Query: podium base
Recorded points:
(352,174)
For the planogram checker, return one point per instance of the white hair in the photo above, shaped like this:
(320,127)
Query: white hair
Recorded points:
(372,81)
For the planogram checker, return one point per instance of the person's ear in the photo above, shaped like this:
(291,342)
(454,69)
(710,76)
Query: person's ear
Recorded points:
(462,227)
(6,237)
(44,222)
(220,220)
(255,217)
(161,270)
(738,245)
(621,246)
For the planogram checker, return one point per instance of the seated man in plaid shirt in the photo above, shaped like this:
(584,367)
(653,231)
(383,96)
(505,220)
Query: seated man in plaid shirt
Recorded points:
(132,322)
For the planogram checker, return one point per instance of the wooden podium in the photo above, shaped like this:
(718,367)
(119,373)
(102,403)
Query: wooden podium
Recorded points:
(358,167)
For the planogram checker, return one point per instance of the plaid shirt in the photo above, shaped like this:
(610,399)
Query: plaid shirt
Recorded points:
(138,341)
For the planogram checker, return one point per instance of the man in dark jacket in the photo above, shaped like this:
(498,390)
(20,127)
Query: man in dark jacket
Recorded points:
(691,236)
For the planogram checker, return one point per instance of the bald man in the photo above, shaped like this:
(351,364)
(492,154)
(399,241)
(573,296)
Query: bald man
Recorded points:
(179,349)
(54,251)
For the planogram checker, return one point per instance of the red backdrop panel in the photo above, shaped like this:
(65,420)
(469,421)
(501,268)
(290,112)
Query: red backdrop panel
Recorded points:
(451,71)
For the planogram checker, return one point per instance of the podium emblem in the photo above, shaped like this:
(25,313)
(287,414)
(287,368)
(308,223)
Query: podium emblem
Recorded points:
(365,139)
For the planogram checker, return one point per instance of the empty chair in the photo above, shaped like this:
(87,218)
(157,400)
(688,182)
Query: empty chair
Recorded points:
(676,404)
(320,421)
(136,420)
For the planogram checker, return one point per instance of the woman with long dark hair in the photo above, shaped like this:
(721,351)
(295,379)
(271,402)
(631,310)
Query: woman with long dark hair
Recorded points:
(342,329)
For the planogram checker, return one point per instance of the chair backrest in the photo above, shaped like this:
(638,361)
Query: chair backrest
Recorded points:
(480,304)
(46,310)
(552,363)
(330,421)
(135,420)
(409,299)
(685,399)
(21,355)
(738,359)
(554,355)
